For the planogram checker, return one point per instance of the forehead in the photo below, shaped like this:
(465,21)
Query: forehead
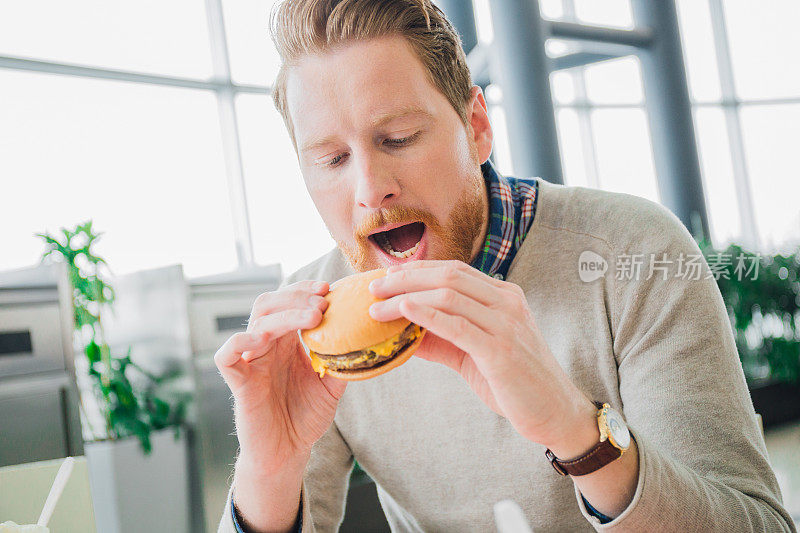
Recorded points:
(356,83)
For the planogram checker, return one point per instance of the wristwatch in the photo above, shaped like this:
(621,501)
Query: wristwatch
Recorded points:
(615,439)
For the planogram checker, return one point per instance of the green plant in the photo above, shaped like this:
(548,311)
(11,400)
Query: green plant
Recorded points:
(764,308)
(129,407)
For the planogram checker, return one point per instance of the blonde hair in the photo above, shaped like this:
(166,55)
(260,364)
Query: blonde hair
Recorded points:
(300,27)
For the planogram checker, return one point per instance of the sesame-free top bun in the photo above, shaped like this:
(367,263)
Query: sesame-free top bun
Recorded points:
(346,324)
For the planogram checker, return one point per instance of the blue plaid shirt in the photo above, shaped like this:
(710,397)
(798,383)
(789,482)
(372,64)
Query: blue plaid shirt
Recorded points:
(512,206)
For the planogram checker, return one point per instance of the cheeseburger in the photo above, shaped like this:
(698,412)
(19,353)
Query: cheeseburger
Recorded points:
(349,344)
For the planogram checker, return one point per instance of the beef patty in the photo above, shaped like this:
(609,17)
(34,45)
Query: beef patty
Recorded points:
(368,358)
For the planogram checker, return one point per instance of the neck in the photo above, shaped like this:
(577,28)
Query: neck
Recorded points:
(477,245)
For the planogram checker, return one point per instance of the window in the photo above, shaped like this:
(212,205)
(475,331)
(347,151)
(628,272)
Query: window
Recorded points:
(285,224)
(483,21)
(551,9)
(765,47)
(573,157)
(717,170)
(760,42)
(617,81)
(624,152)
(562,84)
(699,50)
(614,13)
(144,162)
(501,146)
(770,140)
(606,13)
(253,57)
(602,129)
(604,132)
(151,36)
(74,147)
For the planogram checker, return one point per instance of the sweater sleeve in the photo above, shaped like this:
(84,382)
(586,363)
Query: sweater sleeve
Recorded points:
(702,459)
(324,489)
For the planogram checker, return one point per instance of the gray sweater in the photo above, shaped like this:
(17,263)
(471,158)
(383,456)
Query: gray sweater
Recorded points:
(657,346)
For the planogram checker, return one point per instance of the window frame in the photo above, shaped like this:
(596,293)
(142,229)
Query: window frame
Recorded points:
(225,89)
(220,83)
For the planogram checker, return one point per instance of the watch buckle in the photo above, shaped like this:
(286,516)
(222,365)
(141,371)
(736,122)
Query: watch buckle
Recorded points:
(554,461)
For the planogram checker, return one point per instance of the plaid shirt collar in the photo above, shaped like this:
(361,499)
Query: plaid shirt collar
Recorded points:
(512,206)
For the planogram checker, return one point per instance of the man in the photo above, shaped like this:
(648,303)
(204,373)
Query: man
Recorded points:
(393,143)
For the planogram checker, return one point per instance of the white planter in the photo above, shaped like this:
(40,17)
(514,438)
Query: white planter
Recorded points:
(132,492)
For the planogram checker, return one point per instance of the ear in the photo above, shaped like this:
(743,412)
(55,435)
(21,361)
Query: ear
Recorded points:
(481,129)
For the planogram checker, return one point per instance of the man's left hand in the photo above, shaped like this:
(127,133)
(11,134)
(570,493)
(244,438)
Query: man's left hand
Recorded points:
(483,329)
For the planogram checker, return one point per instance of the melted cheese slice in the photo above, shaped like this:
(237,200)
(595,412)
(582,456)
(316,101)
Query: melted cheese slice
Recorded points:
(381,349)
(316,364)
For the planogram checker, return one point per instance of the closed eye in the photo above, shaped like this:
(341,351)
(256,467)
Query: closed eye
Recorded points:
(335,161)
(394,143)
(401,142)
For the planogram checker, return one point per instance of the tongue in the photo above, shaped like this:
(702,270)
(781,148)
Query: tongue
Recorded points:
(405,237)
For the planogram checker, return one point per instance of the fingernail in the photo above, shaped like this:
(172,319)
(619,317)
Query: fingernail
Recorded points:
(375,309)
(376,284)
(318,286)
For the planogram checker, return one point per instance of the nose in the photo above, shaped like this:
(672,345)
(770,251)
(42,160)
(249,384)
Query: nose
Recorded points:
(374,183)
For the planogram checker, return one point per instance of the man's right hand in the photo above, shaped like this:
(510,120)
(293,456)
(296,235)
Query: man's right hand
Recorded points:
(281,405)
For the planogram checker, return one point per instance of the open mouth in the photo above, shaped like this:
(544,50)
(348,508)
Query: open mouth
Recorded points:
(401,242)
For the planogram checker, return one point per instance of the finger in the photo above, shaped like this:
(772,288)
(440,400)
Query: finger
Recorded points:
(483,288)
(270,328)
(302,294)
(453,328)
(231,352)
(447,263)
(445,299)
(229,358)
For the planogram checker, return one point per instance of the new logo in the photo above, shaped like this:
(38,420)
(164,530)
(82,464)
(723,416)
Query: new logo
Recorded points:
(591,266)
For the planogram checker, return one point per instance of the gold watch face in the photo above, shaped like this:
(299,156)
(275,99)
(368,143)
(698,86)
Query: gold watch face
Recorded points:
(617,429)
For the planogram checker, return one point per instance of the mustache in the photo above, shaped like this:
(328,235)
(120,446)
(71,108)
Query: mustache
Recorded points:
(394,215)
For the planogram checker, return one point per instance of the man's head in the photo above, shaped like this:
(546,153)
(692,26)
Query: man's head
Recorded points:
(388,128)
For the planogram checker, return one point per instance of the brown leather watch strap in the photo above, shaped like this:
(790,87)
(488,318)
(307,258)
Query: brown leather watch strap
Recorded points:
(599,456)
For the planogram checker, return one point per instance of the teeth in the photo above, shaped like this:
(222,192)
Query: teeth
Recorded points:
(384,243)
(407,253)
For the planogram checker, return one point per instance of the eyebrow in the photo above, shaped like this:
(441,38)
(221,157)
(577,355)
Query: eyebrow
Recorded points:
(315,144)
(377,121)
(383,118)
